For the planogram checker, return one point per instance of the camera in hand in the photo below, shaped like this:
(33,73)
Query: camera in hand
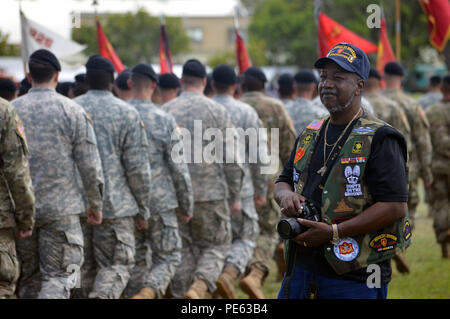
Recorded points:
(289,228)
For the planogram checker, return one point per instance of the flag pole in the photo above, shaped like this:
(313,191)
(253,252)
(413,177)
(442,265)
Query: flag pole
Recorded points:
(23,44)
(397,30)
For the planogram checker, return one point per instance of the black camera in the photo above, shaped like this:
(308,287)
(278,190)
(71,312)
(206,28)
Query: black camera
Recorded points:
(289,228)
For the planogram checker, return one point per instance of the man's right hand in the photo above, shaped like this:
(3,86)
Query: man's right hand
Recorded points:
(289,201)
(94,217)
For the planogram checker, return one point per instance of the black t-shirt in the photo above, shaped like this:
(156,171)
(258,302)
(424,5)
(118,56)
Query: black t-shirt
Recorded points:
(385,176)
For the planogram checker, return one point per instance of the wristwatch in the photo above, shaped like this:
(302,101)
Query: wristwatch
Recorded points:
(335,239)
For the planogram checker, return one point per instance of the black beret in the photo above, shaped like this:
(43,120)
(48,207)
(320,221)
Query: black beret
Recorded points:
(305,76)
(25,83)
(146,70)
(435,80)
(446,80)
(169,81)
(285,80)
(373,73)
(45,57)
(194,68)
(7,85)
(256,72)
(224,74)
(80,78)
(97,62)
(121,80)
(394,68)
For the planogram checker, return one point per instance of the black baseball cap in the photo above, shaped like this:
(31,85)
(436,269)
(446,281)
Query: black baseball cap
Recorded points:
(169,81)
(121,80)
(256,72)
(393,68)
(195,68)
(97,62)
(145,70)
(224,74)
(45,57)
(349,57)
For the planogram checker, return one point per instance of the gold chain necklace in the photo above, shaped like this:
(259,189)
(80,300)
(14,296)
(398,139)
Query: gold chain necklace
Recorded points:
(323,169)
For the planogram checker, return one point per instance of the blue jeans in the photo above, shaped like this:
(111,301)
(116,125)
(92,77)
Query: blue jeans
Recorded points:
(329,288)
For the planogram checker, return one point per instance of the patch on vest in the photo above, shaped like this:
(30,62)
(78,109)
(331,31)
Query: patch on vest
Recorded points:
(353,160)
(307,139)
(342,207)
(357,147)
(363,130)
(406,230)
(299,154)
(383,242)
(353,188)
(315,125)
(347,249)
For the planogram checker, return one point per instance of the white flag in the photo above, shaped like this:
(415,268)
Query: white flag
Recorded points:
(35,36)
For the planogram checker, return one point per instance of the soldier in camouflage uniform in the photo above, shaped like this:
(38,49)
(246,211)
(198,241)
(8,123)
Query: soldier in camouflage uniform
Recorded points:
(286,88)
(434,93)
(419,163)
(254,186)
(439,117)
(17,198)
(123,148)
(302,111)
(273,116)
(158,250)
(62,146)
(207,236)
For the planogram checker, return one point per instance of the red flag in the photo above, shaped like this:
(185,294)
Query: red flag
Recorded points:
(438,17)
(242,57)
(106,50)
(385,53)
(165,58)
(330,33)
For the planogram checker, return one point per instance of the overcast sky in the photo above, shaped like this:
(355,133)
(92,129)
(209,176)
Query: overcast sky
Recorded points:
(56,14)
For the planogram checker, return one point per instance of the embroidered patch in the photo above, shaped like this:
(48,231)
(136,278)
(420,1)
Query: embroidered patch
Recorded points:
(347,249)
(353,160)
(315,125)
(299,154)
(307,139)
(142,124)
(343,208)
(383,242)
(295,176)
(353,188)
(363,130)
(89,118)
(357,147)
(406,230)
(20,128)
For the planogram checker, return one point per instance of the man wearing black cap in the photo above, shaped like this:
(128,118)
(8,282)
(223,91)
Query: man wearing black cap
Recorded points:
(8,89)
(434,93)
(123,148)
(80,86)
(286,88)
(121,88)
(62,146)
(169,85)
(275,119)
(348,171)
(419,163)
(171,191)
(302,111)
(254,186)
(207,236)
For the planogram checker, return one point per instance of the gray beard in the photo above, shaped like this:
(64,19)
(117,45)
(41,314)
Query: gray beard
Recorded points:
(340,107)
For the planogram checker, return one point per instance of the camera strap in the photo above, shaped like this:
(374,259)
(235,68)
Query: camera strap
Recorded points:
(290,265)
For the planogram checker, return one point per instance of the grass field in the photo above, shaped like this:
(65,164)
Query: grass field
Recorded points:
(430,273)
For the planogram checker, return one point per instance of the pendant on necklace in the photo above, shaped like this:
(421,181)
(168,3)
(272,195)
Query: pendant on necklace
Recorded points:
(322,170)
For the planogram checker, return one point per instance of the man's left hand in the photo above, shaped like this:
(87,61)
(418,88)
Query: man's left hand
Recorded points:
(318,233)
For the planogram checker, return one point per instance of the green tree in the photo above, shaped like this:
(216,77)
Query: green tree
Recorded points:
(135,36)
(7,49)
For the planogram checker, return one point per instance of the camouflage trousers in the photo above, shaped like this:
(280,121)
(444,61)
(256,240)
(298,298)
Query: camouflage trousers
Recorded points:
(268,238)
(206,242)
(9,264)
(109,257)
(51,259)
(440,197)
(413,201)
(245,230)
(158,254)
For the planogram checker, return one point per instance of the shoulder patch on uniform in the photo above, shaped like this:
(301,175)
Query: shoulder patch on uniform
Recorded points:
(20,128)
(177,128)
(89,117)
(142,124)
(299,154)
(315,125)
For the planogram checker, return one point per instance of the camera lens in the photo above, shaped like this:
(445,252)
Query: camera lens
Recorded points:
(288,228)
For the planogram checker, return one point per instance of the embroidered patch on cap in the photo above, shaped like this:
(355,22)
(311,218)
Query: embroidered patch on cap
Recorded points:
(315,125)
(344,51)
(299,154)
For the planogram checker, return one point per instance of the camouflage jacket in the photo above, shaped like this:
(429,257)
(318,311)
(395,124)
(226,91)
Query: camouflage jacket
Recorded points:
(62,144)
(245,117)
(429,99)
(213,178)
(421,150)
(16,192)
(171,183)
(439,117)
(302,112)
(123,148)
